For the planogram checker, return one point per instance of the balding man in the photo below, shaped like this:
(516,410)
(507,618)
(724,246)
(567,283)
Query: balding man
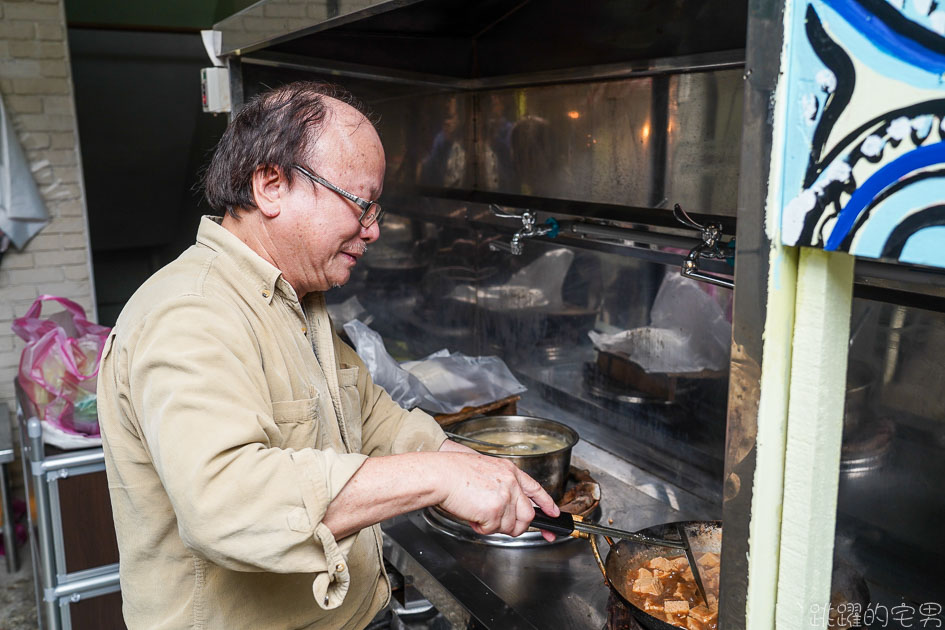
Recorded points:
(249,455)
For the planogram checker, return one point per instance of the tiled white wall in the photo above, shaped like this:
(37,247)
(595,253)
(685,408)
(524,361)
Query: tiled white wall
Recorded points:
(36,83)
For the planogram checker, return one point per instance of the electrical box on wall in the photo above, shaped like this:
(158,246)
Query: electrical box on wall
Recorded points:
(215,89)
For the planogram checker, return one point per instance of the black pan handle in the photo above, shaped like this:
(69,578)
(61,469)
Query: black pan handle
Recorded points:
(562,525)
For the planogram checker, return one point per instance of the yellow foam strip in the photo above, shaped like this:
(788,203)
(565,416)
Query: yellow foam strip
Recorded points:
(814,432)
(765,527)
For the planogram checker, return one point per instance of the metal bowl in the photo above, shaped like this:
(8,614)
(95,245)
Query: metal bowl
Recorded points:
(550,469)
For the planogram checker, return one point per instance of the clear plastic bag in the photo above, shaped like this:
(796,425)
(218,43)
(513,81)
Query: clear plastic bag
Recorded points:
(59,365)
(440,383)
(688,332)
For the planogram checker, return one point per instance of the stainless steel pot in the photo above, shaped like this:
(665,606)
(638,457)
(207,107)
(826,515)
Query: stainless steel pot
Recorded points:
(549,469)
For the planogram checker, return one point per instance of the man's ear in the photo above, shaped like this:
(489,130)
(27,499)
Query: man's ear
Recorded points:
(269,185)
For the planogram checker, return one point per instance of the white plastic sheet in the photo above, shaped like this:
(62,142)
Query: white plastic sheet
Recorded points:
(688,332)
(22,211)
(443,382)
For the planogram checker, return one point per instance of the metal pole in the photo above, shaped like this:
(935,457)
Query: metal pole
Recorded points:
(47,564)
(9,529)
(7,456)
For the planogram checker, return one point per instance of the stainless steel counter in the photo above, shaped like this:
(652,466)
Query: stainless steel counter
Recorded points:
(554,586)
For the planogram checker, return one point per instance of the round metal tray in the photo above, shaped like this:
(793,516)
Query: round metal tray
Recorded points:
(445,524)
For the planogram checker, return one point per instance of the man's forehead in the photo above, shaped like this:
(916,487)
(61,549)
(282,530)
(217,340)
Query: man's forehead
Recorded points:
(346,136)
(344,116)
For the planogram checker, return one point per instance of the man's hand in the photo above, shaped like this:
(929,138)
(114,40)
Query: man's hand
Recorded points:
(493,495)
(488,492)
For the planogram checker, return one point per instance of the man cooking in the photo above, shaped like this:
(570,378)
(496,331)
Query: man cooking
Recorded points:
(249,455)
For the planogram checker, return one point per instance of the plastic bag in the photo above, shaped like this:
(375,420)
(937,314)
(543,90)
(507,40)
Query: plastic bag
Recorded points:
(546,274)
(688,332)
(441,383)
(59,365)
(348,310)
(457,380)
(536,286)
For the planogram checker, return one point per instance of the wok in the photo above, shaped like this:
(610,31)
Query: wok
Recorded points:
(848,585)
(625,556)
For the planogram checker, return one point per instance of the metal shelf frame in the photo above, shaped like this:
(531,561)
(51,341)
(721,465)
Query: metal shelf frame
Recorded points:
(55,587)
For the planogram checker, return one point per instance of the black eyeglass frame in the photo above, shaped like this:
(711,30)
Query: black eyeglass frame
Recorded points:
(364,204)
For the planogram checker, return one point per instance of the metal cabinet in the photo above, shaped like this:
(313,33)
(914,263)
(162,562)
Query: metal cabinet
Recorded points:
(72,536)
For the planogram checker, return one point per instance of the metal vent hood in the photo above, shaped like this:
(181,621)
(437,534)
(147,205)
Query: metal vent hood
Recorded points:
(611,110)
(469,40)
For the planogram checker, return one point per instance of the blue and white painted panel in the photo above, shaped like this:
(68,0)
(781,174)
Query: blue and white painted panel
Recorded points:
(863,163)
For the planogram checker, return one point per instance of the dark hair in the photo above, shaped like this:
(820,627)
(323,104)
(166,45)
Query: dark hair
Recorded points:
(277,128)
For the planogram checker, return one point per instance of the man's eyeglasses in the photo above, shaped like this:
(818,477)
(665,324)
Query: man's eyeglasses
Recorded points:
(371,211)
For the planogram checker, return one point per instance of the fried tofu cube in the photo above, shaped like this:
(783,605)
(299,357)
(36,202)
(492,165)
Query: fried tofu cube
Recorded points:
(693,624)
(709,560)
(652,606)
(680,563)
(648,586)
(642,573)
(661,564)
(676,607)
(703,614)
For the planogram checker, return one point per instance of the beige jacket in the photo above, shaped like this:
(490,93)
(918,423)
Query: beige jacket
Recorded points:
(231,416)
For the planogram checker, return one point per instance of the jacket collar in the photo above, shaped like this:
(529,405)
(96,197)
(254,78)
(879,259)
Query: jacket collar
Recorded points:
(264,277)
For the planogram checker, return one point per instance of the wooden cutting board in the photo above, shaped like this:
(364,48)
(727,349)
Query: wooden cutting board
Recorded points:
(504,407)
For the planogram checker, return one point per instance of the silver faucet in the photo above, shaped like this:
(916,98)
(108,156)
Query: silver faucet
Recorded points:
(709,248)
(529,230)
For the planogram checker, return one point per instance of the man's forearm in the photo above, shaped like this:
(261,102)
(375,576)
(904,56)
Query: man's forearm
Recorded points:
(384,487)
(490,493)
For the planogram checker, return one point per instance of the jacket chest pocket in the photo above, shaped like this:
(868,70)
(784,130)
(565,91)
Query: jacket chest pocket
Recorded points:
(296,422)
(350,406)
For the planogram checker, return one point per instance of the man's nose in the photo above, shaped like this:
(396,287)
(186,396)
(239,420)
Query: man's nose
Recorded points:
(371,233)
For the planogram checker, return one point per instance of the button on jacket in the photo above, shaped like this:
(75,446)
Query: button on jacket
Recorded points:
(231,416)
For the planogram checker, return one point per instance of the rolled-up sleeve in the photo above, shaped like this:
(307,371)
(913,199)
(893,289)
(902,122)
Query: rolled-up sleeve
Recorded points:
(387,428)
(196,381)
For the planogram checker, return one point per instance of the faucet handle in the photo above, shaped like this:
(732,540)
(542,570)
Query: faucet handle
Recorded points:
(499,212)
(685,219)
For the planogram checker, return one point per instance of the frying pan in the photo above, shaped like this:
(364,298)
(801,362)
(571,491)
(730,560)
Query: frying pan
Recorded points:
(625,556)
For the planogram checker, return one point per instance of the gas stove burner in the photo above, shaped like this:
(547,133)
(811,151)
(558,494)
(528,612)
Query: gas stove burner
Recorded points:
(599,386)
(612,394)
(552,354)
(868,448)
(447,524)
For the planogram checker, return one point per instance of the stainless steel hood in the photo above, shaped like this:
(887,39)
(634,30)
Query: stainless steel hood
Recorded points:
(609,111)
(468,40)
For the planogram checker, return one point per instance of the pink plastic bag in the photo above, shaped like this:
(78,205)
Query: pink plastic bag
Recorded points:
(59,365)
